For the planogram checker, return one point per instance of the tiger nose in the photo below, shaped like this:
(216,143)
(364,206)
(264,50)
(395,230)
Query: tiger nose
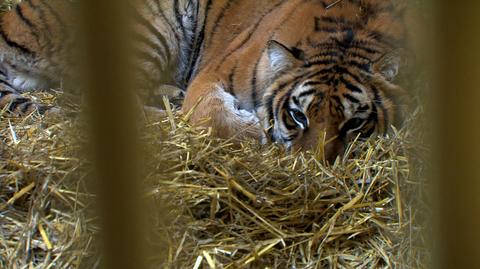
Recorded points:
(333,149)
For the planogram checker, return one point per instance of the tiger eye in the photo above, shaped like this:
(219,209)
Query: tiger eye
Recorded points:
(352,124)
(299,117)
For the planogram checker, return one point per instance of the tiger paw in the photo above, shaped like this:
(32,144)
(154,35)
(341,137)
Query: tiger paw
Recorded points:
(173,93)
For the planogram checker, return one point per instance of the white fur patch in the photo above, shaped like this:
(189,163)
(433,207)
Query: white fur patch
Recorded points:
(231,103)
(25,83)
(349,107)
(241,116)
(305,100)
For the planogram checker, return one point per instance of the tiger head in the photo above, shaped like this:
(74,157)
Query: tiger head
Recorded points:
(329,98)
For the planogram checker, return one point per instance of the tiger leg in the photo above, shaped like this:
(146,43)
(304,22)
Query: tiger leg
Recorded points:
(31,50)
(209,105)
(174,95)
(14,82)
(14,103)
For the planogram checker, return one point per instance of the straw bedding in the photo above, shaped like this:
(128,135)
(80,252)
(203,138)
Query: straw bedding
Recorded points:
(247,206)
(251,206)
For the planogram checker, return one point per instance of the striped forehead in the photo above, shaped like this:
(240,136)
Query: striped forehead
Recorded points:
(341,91)
(348,90)
(303,95)
(351,100)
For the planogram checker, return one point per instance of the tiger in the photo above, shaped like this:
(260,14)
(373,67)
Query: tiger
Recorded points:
(292,72)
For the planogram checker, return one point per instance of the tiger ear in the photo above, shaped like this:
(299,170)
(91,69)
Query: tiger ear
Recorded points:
(282,58)
(389,65)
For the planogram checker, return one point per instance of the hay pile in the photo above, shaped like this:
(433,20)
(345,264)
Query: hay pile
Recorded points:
(229,207)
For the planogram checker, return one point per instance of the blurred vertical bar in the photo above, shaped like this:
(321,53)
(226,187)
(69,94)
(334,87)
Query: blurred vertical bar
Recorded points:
(458,152)
(111,111)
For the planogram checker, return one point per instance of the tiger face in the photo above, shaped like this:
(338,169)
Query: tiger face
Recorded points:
(329,98)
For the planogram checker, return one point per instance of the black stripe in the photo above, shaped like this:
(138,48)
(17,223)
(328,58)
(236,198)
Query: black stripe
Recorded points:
(3,73)
(322,45)
(365,46)
(199,43)
(347,72)
(340,111)
(326,29)
(286,118)
(319,62)
(19,11)
(253,84)
(296,101)
(358,55)
(152,46)
(320,28)
(312,83)
(372,120)
(250,34)
(16,102)
(374,114)
(337,100)
(378,101)
(364,66)
(305,93)
(231,80)
(14,44)
(326,73)
(154,31)
(337,45)
(363,108)
(372,117)
(351,98)
(41,15)
(331,53)
(57,17)
(352,125)
(333,82)
(285,21)
(333,20)
(187,69)
(269,99)
(4,93)
(290,138)
(178,16)
(350,86)
(368,133)
(269,106)
(142,55)
(27,22)
(218,19)
(6,83)
(286,96)
(164,18)
(159,12)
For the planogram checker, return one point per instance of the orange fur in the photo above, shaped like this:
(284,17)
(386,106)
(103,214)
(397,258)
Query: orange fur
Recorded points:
(235,59)
(291,69)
